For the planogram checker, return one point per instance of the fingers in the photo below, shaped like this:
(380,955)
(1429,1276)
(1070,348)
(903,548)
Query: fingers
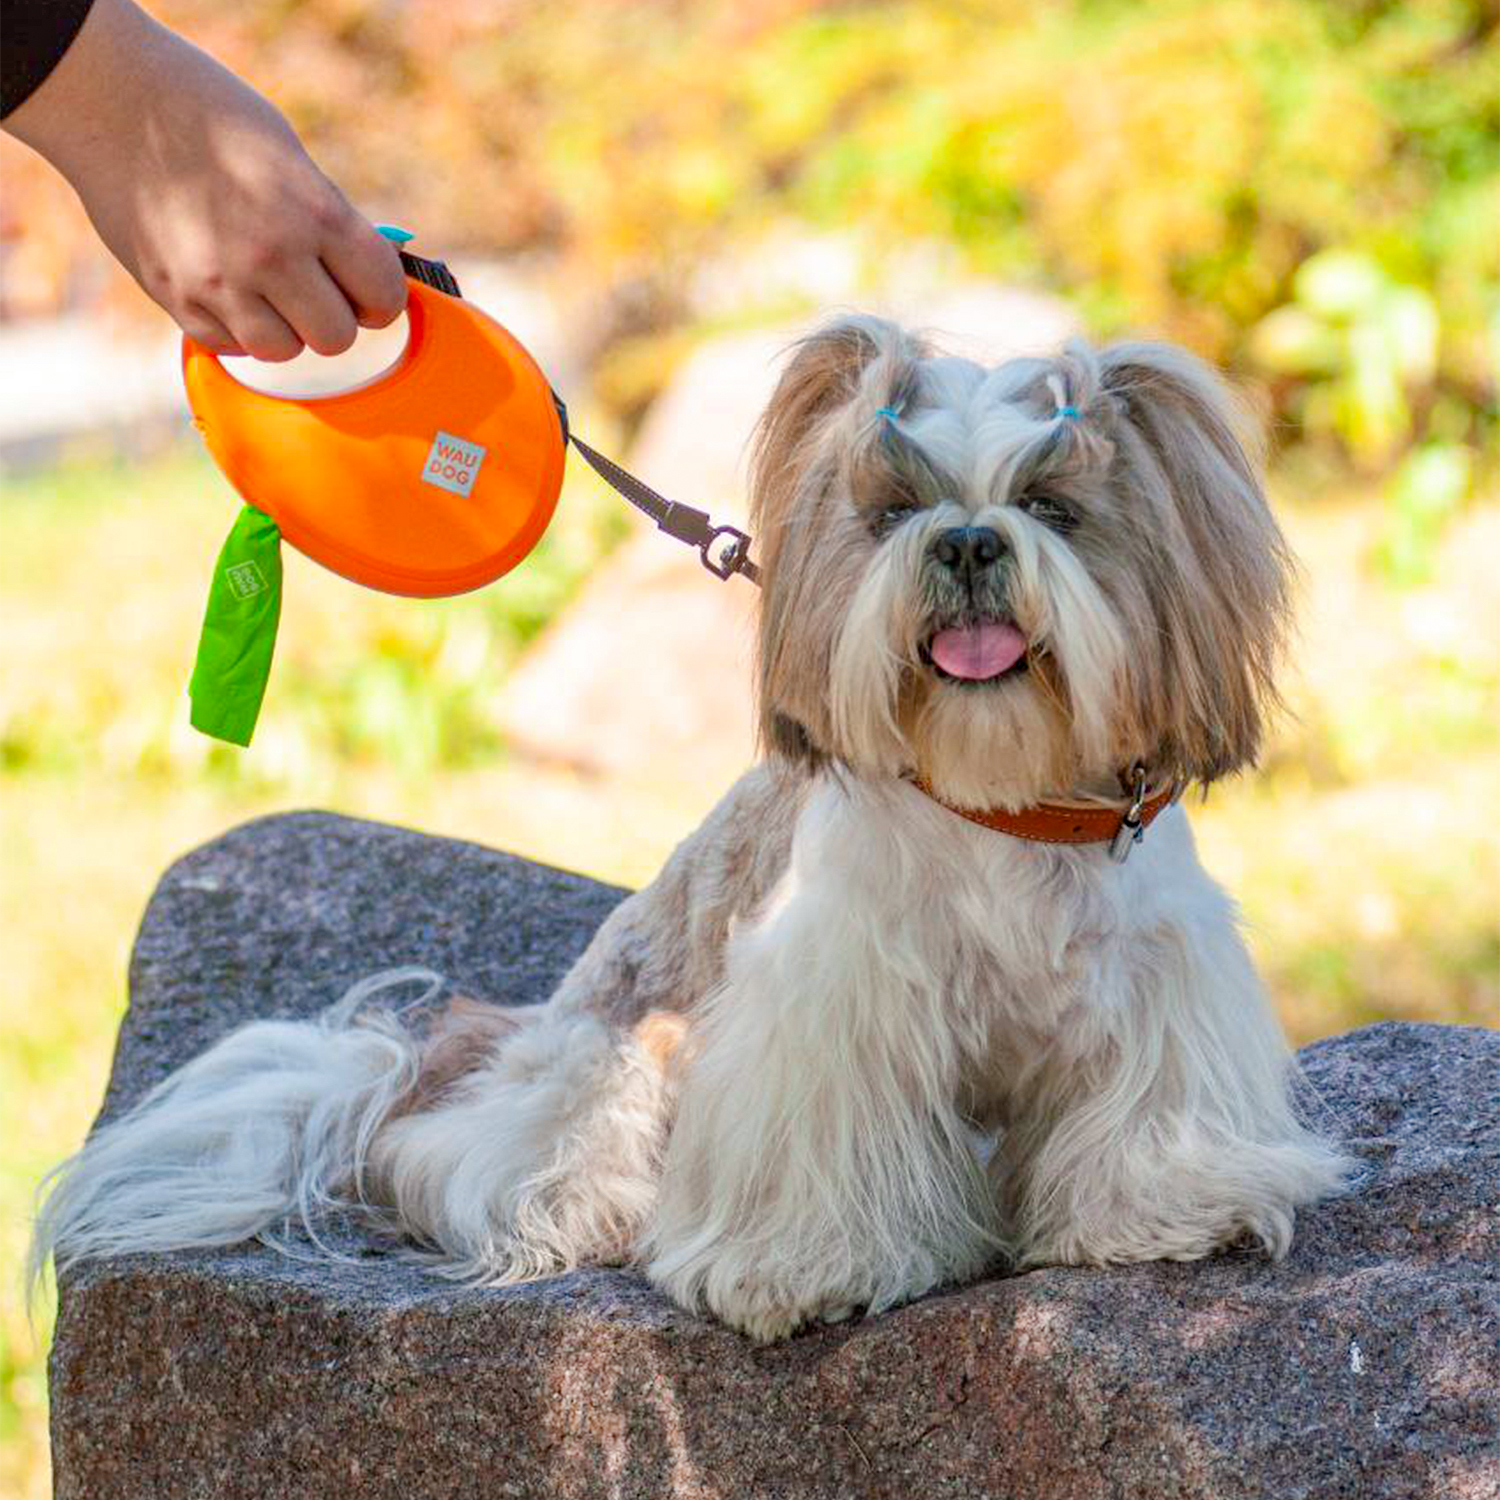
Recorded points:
(366,267)
(309,276)
(293,301)
(323,302)
(308,301)
(204,328)
(260,330)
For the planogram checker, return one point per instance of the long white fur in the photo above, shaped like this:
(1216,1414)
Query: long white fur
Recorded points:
(254,1139)
(877,1187)
(552,1147)
(904,966)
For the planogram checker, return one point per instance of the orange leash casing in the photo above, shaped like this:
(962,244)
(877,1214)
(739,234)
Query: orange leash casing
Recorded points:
(433,479)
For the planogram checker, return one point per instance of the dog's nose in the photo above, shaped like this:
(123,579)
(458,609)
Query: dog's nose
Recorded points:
(967,549)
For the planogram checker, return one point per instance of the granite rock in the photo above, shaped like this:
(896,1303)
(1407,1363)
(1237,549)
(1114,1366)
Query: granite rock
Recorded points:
(1366,1365)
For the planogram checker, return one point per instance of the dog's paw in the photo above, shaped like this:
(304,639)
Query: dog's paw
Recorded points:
(734,1284)
(1149,1234)
(769,1314)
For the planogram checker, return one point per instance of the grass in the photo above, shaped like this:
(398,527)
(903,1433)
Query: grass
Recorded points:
(1367,853)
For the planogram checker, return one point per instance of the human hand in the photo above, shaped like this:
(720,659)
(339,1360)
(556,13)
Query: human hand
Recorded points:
(203,192)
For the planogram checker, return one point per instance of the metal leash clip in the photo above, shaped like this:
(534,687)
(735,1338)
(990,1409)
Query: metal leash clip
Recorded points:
(734,558)
(1130,832)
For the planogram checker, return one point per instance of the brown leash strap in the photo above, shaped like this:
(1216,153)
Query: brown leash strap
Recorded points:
(725,550)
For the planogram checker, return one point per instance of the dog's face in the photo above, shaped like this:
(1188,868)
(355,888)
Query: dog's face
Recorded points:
(1015,581)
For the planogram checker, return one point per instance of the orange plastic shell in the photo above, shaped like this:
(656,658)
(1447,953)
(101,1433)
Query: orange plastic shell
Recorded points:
(378,483)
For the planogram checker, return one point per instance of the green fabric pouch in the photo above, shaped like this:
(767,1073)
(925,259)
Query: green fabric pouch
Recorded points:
(239,631)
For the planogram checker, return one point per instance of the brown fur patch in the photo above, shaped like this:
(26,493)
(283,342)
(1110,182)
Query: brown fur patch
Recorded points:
(663,948)
(813,553)
(661,1032)
(1215,625)
(461,1040)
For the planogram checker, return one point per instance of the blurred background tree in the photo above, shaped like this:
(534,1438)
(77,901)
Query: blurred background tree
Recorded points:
(1308,190)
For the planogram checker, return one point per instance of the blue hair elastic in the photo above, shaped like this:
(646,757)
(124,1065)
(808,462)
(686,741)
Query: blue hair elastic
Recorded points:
(1070,412)
(888,413)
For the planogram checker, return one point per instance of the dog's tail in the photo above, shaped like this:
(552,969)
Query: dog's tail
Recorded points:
(251,1140)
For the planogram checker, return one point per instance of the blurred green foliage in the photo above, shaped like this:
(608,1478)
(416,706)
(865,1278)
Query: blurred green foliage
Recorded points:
(1362,341)
(361,679)
(1307,189)
(1304,190)
(1422,495)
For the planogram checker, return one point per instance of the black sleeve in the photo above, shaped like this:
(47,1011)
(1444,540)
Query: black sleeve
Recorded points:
(34,34)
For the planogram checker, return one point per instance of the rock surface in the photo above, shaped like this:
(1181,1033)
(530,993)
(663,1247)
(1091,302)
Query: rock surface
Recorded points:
(1366,1365)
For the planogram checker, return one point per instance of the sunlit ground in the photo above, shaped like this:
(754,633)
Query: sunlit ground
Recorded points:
(1367,855)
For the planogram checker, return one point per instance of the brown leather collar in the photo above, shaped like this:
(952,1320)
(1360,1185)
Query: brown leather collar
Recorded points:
(1060,823)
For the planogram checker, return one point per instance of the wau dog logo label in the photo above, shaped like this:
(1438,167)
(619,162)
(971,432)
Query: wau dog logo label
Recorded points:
(453,463)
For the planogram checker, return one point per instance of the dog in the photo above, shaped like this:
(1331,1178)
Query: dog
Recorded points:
(940,985)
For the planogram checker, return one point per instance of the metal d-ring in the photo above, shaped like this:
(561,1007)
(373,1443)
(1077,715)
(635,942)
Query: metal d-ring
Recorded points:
(735,558)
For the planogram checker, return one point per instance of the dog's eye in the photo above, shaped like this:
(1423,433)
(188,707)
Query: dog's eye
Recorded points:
(883,522)
(1050,511)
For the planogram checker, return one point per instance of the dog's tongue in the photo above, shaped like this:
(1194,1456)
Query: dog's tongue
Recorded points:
(978,651)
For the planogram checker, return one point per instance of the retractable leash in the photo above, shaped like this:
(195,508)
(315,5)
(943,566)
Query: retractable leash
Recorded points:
(433,479)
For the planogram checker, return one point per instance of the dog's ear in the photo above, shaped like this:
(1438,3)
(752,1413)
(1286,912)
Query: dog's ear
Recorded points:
(1203,679)
(823,374)
(809,564)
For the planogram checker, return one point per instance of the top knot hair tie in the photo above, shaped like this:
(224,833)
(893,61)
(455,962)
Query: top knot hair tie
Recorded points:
(889,413)
(1063,408)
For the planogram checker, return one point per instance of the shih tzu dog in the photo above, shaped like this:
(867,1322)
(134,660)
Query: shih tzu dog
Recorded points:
(939,986)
